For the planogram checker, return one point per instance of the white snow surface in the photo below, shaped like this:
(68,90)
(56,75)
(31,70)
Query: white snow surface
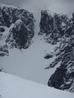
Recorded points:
(15,87)
(30,63)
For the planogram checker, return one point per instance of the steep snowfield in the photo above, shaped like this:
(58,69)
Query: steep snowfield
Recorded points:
(15,87)
(30,63)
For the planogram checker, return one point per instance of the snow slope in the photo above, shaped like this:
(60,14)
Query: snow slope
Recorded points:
(30,63)
(15,87)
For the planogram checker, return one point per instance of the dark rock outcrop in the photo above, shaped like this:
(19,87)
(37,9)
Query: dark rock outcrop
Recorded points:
(4,51)
(20,23)
(63,77)
(18,36)
(53,26)
(60,29)
(48,56)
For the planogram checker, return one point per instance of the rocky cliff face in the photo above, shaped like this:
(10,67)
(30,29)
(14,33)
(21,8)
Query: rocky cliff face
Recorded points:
(60,29)
(16,27)
(63,77)
(53,26)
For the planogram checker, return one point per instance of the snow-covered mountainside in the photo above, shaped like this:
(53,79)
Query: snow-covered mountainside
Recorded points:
(15,87)
(60,29)
(47,43)
(16,27)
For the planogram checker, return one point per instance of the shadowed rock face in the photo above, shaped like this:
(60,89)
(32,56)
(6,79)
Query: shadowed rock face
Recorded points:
(4,51)
(54,26)
(57,79)
(19,26)
(61,27)
(10,15)
(18,36)
(46,23)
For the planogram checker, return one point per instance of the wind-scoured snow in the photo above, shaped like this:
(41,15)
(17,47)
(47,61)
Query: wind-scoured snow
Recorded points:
(15,87)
